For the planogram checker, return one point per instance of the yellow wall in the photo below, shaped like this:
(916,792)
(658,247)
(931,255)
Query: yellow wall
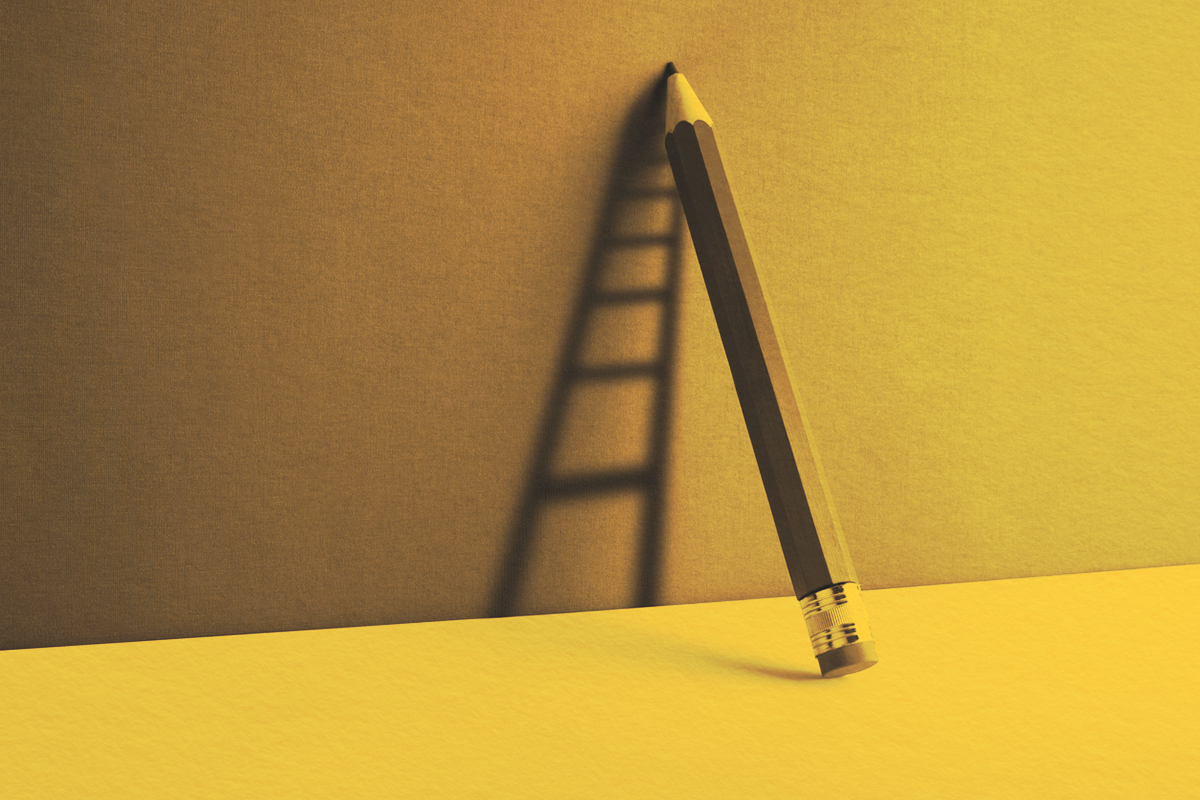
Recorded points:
(284,294)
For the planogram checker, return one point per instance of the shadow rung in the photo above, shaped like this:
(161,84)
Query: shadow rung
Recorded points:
(617,296)
(616,372)
(644,191)
(598,483)
(642,241)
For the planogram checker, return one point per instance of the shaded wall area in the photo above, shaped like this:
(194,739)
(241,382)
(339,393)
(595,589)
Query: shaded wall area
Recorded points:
(285,301)
(602,455)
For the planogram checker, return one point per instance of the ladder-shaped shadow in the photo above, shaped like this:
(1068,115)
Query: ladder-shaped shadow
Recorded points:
(601,457)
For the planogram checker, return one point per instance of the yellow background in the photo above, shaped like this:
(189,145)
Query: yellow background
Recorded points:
(284,290)
(1070,687)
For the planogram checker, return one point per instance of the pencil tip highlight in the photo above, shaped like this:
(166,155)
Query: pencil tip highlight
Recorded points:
(682,103)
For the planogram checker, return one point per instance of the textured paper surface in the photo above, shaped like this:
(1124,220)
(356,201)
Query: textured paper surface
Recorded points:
(1077,686)
(283,294)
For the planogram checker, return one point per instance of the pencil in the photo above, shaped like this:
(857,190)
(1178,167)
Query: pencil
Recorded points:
(809,533)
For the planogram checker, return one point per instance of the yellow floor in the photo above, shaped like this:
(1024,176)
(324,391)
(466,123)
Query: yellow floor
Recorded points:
(1074,686)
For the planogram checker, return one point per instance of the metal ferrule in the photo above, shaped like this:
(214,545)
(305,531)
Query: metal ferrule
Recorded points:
(836,617)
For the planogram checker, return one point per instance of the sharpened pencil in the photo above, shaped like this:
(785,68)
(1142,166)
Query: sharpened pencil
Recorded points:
(809,533)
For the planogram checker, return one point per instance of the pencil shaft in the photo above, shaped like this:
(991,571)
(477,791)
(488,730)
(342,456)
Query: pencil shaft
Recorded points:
(809,533)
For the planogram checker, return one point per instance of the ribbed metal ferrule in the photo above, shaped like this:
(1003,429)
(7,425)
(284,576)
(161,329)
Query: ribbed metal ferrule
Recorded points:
(836,617)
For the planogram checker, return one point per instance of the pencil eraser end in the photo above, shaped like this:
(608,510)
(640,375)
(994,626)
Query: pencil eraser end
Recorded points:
(839,629)
(847,659)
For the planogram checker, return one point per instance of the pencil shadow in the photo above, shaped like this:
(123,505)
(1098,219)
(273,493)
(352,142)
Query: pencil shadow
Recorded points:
(631,276)
(774,672)
(677,649)
(724,661)
(727,662)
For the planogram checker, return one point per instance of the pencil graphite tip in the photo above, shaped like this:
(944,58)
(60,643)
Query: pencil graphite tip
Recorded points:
(682,103)
(671,69)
